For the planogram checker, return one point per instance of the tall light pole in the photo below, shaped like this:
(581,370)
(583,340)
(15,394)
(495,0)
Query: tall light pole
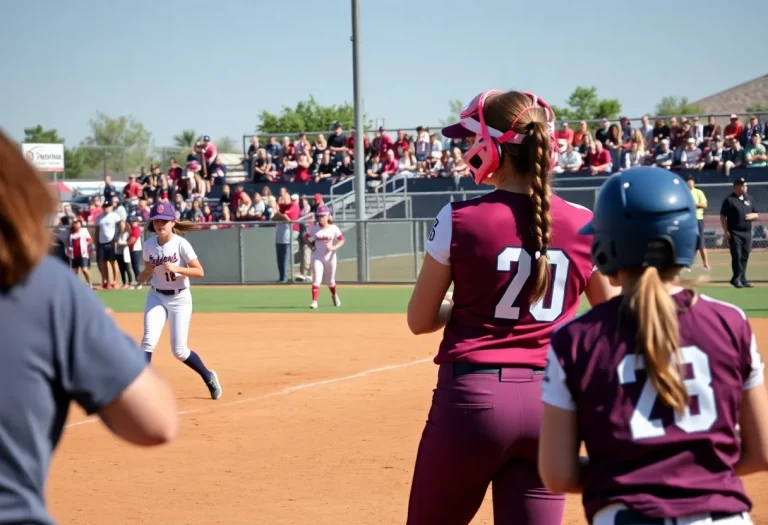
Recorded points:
(362,262)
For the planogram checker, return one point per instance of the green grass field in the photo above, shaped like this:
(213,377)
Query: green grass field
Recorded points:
(356,299)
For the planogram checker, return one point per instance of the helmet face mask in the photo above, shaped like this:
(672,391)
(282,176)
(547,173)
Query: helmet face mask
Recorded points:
(643,217)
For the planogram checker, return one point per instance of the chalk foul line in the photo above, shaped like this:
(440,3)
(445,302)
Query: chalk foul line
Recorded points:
(282,392)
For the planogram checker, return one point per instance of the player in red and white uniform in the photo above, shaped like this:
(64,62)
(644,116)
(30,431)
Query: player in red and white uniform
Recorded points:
(325,239)
(518,268)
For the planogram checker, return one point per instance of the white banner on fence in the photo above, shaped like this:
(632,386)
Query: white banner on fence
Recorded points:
(45,157)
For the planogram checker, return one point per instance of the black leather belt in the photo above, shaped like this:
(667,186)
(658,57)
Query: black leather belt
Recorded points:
(462,369)
(168,292)
(630,517)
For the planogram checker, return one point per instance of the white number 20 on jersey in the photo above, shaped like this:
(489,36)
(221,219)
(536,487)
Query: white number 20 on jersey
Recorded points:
(700,386)
(506,309)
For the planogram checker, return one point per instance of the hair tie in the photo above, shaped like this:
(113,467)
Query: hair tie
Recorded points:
(529,128)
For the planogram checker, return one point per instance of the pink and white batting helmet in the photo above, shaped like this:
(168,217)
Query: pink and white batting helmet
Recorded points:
(484,157)
(322,210)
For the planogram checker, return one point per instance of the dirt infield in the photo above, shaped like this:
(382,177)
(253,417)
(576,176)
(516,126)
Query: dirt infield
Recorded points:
(319,423)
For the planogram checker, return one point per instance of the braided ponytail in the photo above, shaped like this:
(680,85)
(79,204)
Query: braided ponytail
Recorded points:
(539,162)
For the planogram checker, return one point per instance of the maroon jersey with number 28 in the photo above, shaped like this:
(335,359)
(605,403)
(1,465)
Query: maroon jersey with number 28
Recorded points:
(642,454)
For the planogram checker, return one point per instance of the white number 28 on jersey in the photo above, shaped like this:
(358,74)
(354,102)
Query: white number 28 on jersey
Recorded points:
(505,308)
(700,386)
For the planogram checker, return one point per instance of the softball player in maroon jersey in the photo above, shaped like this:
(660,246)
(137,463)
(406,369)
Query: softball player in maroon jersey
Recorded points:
(518,269)
(655,382)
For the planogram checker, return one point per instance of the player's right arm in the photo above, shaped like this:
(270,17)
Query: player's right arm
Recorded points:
(101,368)
(753,418)
(427,310)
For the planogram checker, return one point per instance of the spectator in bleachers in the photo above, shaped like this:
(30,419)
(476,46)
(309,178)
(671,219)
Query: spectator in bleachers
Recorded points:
(109,188)
(401,144)
(321,146)
(599,159)
(301,173)
(734,130)
(569,160)
(755,153)
(691,158)
(626,130)
(243,205)
(163,192)
(435,147)
(601,135)
(209,151)
(753,128)
(406,167)
(143,210)
(251,155)
(564,133)
(382,143)
(664,156)
(697,130)
(446,164)
(715,154)
(326,167)
(420,146)
(118,208)
(194,213)
(288,148)
(303,145)
(174,171)
(345,170)
(207,213)
(459,167)
(274,150)
(712,129)
(646,129)
(180,206)
(257,209)
(373,169)
(351,144)
(578,136)
(218,172)
(635,156)
(132,190)
(337,143)
(660,132)
(288,167)
(686,132)
(733,157)
(613,143)
(263,167)
(389,169)
(586,148)
(674,133)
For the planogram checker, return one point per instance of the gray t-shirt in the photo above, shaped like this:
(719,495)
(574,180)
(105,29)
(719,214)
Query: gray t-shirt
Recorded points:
(58,344)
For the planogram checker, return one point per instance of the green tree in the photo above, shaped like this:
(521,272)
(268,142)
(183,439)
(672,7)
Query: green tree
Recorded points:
(585,104)
(74,162)
(227,145)
(120,143)
(307,116)
(455,106)
(673,106)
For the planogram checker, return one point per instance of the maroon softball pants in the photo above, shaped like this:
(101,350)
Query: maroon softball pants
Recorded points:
(483,428)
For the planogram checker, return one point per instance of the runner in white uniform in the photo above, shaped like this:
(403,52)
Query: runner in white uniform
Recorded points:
(170,261)
(324,239)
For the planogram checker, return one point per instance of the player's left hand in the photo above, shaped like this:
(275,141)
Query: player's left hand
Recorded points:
(170,267)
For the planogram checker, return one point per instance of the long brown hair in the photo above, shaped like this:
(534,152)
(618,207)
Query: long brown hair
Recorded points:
(26,205)
(179,227)
(532,160)
(658,338)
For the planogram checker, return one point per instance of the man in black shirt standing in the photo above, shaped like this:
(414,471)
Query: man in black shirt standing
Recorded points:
(736,217)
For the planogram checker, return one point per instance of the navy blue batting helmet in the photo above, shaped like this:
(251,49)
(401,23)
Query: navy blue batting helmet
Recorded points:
(643,217)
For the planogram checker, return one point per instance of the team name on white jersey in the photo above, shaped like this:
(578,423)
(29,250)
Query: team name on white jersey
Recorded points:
(177,251)
(324,237)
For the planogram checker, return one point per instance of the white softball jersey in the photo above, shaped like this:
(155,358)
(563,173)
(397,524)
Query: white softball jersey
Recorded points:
(324,238)
(177,251)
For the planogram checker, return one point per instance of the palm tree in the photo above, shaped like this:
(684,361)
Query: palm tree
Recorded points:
(186,139)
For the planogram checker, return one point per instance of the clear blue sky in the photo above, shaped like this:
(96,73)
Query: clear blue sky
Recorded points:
(212,66)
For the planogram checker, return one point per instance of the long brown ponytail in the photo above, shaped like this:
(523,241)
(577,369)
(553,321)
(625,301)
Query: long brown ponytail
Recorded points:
(655,314)
(533,160)
(179,227)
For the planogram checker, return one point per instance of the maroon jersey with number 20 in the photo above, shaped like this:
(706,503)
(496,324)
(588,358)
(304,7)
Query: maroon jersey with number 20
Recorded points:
(489,244)
(642,454)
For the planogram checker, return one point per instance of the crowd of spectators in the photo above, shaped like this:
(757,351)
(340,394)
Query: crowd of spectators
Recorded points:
(674,144)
